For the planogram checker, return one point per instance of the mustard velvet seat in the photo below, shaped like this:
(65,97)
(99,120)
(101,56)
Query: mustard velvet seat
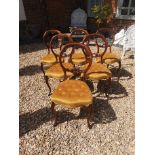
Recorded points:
(48,59)
(72,93)
(109,58)
(78,58)
(56,71)
(98,71)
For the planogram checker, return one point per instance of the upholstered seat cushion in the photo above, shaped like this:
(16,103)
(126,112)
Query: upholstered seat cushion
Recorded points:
(110,58)
(48,59)
(56,71)
(98,71)
(78,58)
(72,93)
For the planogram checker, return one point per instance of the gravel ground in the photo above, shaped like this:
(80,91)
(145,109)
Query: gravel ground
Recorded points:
(113,130)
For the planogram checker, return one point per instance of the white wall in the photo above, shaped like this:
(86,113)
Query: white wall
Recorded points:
(21,11)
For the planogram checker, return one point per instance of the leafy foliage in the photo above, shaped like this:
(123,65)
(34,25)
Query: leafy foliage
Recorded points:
(101,13)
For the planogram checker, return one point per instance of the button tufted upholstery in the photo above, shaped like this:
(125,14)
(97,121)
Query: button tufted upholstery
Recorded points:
(72,93)
(109,58)
(98,71)
(56,71)
(48,59)
(78,58)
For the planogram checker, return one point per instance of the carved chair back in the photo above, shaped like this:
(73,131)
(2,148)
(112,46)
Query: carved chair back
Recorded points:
(68,51)
(57,42)
(78,34)
(97,43)
(109,34)
(47,37)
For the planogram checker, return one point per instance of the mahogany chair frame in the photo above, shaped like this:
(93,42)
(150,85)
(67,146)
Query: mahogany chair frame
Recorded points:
(79,31)
(62,37)
(98,54)
(46,39)
(88,38)
(88,55)
(111,32)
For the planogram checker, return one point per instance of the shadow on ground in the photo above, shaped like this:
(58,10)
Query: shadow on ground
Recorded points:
(31,47)
(117,89)
(131,57)
(124,74)
(29,70)
(31,121)
(102,113)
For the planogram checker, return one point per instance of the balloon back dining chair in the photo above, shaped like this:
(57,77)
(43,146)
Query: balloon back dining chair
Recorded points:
(98,71)
(48,59)
(77,35)
(73,91)
(110,57)
(55,71)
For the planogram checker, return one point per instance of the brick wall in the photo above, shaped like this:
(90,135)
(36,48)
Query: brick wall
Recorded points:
(48,14)
(59,12)
(33,11)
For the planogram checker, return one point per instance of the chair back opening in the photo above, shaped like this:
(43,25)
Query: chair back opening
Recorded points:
(78,34)
(77,70)
(47,37)
(108,33)
(97,43)
(57,42)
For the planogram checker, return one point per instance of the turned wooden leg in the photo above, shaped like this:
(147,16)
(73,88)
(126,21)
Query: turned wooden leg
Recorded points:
(47,83)
(119,70)
(52,107)
(54,112)
(89,111)
(42,68)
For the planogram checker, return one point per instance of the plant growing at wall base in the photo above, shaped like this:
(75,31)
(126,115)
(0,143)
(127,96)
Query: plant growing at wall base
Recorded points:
(102,13)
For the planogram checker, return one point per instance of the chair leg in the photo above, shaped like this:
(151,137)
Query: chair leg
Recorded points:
(52,107)
(42,68)
(54,112)
(47,83)
(119,70)
(89,111)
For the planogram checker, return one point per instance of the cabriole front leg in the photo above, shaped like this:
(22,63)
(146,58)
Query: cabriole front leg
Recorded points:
(47,83)
(54,113)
